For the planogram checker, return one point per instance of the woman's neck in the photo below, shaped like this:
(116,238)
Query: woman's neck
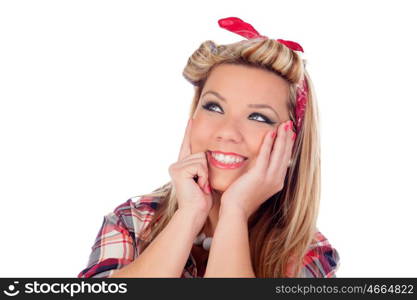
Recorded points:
(213,217)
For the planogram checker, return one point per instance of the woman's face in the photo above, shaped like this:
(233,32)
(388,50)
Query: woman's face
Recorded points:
(228,118)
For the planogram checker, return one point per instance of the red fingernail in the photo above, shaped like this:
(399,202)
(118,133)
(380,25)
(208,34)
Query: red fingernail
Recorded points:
(286,127)
(208,189)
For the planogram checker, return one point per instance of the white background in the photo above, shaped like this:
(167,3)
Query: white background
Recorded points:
(93,108)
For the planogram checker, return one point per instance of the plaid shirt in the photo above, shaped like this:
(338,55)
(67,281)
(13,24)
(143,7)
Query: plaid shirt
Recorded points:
(120,241)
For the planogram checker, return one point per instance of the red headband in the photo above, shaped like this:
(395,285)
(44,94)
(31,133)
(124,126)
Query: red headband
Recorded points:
(246,30)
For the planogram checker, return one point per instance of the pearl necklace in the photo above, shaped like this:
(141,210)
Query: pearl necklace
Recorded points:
(201,239)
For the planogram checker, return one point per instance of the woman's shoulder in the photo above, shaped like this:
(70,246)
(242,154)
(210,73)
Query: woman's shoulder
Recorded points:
(137,204)
(118,239)
(322,259)
(135,213)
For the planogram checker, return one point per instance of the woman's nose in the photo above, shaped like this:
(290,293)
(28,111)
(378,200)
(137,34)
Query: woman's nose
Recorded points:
(229,131)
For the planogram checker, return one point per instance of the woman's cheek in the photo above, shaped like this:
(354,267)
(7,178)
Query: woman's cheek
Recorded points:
(204,126)
(200,136)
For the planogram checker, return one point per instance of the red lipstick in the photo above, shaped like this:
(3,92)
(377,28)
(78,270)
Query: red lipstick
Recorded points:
(221,165)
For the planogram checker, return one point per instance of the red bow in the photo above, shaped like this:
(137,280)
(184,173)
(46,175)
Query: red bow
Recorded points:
(246,30)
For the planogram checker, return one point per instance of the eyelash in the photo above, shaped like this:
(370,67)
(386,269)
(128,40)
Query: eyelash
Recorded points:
(209,104)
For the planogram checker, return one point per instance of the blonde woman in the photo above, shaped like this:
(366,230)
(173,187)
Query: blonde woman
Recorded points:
(244,193)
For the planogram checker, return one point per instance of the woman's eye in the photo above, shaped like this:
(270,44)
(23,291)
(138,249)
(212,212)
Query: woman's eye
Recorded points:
(262,119)
(211,104)
(266,120)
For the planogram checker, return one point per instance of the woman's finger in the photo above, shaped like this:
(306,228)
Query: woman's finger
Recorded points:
(190,162)
(194,156)
(186,144)
(280,145)
(287,152)
(200,170)
(262,161)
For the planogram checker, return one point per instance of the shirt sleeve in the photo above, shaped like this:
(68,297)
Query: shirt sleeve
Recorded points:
(322,261)
(112,249)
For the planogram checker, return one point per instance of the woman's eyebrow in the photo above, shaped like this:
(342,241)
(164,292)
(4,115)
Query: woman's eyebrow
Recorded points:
(249,105)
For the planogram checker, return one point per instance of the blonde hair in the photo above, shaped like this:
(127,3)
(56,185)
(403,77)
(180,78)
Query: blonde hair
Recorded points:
(283,227)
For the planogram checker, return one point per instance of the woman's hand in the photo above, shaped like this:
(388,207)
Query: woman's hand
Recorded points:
(267,175)
(192,196)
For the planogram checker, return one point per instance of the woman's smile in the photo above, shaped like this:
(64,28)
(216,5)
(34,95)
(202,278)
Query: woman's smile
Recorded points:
(222,161)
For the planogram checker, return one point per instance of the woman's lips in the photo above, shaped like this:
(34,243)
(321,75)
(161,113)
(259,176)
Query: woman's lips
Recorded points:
(221,165)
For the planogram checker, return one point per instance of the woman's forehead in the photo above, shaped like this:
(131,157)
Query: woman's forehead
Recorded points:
(244,84)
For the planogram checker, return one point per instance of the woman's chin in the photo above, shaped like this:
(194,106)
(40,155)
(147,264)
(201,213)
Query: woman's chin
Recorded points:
(220,180)
(220,185)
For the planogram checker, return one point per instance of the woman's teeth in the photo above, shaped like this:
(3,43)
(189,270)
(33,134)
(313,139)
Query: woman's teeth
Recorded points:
(227,159)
